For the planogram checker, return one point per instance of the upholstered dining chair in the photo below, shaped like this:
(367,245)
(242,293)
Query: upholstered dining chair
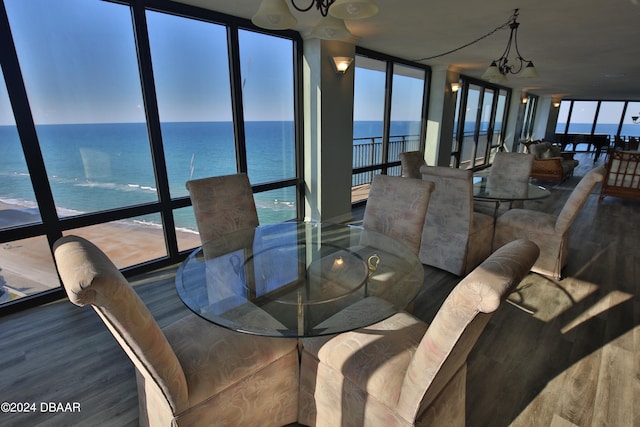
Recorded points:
(410,163)
(513,166)
(222,204)
(455,238)
(507,166)
(549,232)
(402,371)
(396,207)
(190,372)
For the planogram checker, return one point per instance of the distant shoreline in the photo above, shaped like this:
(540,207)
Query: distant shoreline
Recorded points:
(27,266)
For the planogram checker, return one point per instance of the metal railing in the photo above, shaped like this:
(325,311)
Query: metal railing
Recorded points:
(368,152)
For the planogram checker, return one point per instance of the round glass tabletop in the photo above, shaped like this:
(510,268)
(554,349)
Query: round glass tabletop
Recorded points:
(299,279)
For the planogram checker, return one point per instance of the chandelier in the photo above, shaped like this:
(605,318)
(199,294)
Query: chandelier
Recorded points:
(275,15)
(499,68)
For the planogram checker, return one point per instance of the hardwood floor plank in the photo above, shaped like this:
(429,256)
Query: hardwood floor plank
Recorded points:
(614,401)
(577,393)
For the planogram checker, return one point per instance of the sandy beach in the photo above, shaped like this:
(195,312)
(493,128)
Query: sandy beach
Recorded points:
(27,266)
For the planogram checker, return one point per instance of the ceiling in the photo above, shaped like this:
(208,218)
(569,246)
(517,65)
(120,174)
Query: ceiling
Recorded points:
(582,49)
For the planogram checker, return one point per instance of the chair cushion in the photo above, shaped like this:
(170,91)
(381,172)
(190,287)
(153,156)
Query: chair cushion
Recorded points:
(538,149)
(375,358)
(481,221)
(555,151)
(540,222)
(547,154)
(213,358)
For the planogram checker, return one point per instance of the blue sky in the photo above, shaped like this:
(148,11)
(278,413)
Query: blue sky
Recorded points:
(79,63)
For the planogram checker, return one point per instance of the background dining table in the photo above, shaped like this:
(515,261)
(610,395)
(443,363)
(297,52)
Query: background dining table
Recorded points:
(498,190)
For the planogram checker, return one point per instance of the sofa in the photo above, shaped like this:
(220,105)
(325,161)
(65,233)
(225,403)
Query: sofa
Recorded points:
(622,177)
(550,162)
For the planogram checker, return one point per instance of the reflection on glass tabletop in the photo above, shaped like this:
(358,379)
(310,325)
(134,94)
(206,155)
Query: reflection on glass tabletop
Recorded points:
(487,188)
(299,279)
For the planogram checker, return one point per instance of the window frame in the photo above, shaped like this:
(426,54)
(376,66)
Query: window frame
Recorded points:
(460,114)
(52,226)
(629,108)
(387,166)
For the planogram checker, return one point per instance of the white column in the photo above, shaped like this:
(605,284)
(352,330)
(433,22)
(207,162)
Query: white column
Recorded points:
(328,134)
(440,121)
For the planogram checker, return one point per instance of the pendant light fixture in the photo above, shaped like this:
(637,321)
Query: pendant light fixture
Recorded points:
(499,68)
(275,15)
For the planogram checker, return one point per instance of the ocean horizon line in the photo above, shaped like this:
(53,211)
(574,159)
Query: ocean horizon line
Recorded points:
(189,121)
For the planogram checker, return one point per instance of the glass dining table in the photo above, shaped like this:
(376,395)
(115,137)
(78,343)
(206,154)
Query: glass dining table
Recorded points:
(492,189)
(299,279)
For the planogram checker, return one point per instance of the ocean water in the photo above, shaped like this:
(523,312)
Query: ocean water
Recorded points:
(95,167)
(610,129)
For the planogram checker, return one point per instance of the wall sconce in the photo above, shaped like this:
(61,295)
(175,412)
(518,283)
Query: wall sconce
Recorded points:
(455,87)
(525,99)
(556,104)
(341,63)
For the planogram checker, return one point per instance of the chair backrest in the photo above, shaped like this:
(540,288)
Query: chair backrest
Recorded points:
(410,163)
(396,207)
(89,277)
(222,205)
(447,224)
(459,322)
(578,198)
(512,166)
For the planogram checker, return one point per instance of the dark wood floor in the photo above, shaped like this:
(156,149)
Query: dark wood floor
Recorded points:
(573,359)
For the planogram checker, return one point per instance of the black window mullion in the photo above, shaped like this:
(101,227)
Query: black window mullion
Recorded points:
(153,125)
(298,111)
(595,117)
(624,113)
(26,129)
(476,130)
(386,124)
(462,116)
(237,105)
(426,93)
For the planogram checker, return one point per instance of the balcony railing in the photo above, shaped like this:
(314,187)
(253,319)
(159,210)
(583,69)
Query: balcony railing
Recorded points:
(368,152)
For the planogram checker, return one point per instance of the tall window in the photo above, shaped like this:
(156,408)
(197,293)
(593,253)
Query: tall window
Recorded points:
(266,65)
(388,116)
(479,126)
(583,116)
(612,118)
(84,91)
(608,113)
(407,106)
(16,189)
(117,119)
(628,128)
